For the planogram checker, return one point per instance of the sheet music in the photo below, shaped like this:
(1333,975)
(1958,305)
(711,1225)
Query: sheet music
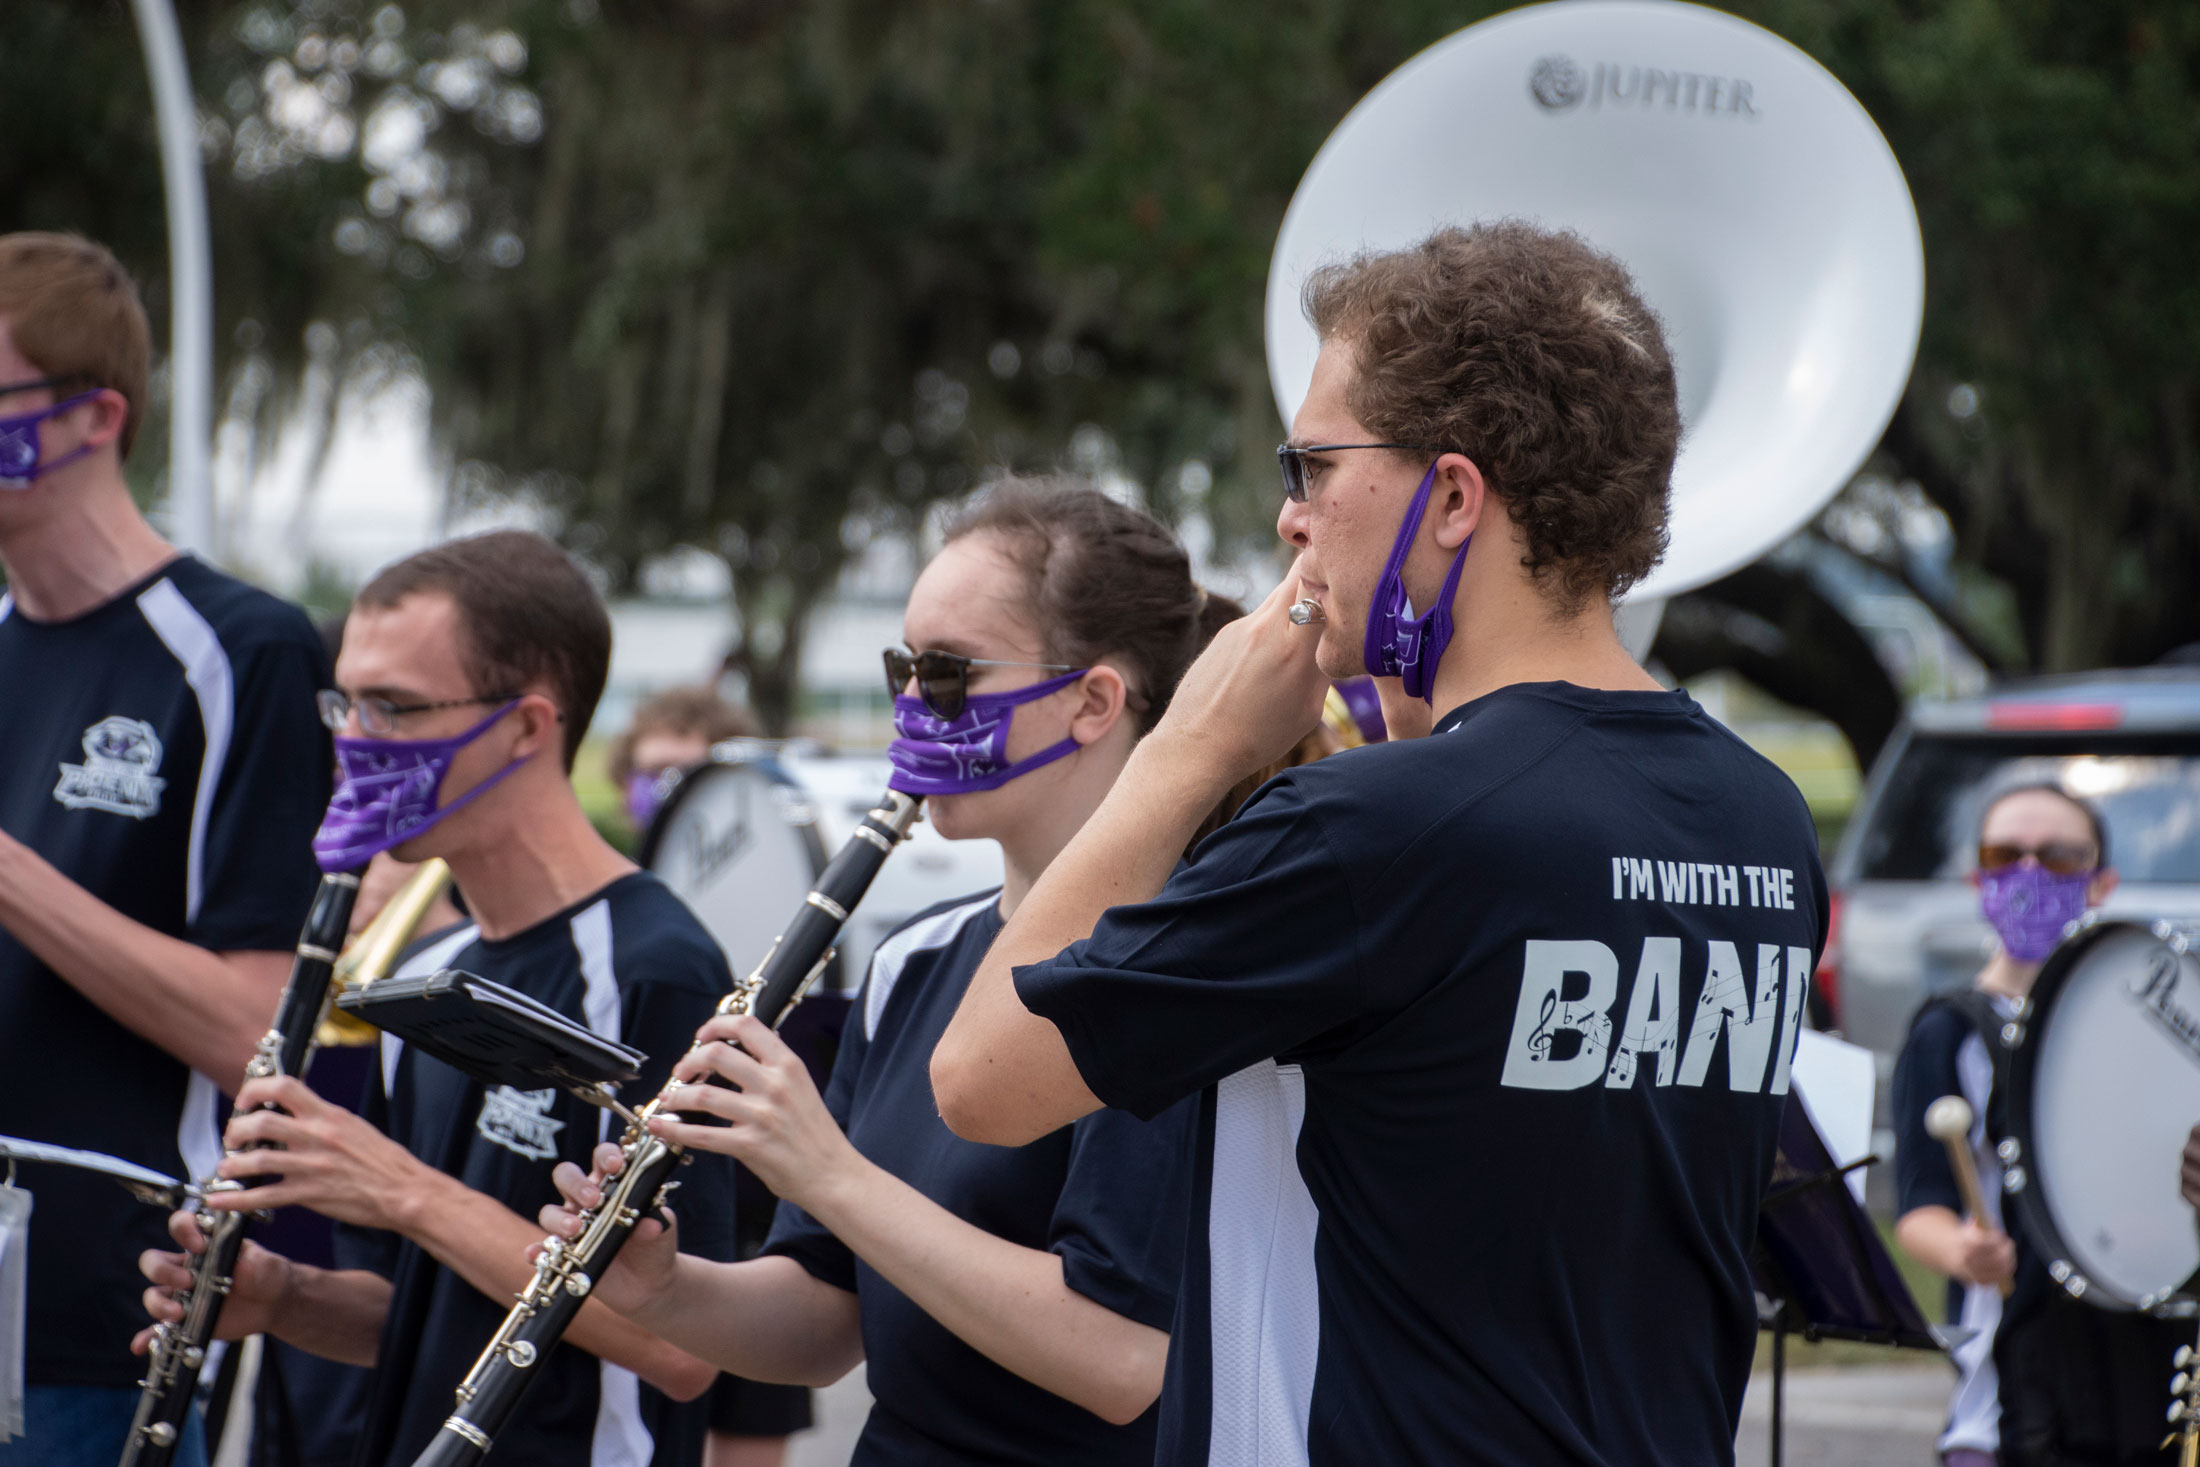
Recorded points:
(1836,1079)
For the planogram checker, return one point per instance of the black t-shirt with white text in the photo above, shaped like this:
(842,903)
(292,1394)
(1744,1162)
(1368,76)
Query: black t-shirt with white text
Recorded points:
(633,964)
(1493,1029)
(1108,1194)
(161,751)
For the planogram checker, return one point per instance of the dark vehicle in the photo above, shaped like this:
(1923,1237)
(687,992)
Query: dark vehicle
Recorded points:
(1906,922)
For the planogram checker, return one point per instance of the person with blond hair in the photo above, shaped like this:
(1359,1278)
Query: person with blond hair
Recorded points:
(161,774)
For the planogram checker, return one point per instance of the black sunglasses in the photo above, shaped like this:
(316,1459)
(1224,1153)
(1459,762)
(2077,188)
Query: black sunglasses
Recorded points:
(943,678)
(1293,462)
(2064,858)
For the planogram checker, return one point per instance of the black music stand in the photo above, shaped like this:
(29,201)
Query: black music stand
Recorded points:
(1818,1264)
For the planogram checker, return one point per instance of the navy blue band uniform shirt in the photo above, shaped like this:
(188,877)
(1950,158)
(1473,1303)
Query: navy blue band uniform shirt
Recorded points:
(1108,1194)
(633,964)
(1493,1030)
(162,751)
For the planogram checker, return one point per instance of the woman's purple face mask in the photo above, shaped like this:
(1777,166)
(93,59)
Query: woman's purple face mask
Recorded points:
(968,753)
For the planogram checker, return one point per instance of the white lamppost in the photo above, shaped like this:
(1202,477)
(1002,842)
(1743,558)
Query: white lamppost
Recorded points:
(190,281)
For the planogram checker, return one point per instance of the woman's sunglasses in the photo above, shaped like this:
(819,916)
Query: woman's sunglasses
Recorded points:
(2064,858)
(943,678)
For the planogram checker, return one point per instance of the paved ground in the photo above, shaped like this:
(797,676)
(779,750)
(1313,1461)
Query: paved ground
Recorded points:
(1870,1416)
(1867,1416)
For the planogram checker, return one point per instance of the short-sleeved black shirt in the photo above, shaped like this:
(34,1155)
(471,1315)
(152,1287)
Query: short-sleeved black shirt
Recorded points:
(1493,1028)
(162,751)
(1109,1194)
(632,963)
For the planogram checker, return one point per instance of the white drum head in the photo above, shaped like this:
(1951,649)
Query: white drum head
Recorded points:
(738,843)
(1760,210)
(2101,1107)
(925,870)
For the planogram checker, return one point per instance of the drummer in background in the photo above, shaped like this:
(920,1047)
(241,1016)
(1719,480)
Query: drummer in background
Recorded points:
(672,731)
(1013,1305)
(2045,1380)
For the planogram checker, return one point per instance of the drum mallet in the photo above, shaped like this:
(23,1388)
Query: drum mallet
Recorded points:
(1948,1121)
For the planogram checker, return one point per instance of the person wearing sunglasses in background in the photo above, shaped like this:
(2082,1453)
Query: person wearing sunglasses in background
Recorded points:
(2045,1381)
(161,773)
(1013,1305)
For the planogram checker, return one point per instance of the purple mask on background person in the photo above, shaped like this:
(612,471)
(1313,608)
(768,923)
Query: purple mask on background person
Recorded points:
(1400,644)
(21,449)
(1366,707)
(645,796)
(387,792)
(968,753)
(2030,906)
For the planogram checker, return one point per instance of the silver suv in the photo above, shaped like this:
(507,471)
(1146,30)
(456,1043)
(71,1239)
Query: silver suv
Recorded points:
(1906,923)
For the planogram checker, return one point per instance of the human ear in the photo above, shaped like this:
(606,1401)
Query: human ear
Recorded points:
(2104,882)
(1457,500)
(1102,695)
(540,725)
(105,416)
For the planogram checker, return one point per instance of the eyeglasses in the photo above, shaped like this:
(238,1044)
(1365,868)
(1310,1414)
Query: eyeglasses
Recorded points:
(378,716)
(7,388)
(2064,858)
(1296,477)
(943,678)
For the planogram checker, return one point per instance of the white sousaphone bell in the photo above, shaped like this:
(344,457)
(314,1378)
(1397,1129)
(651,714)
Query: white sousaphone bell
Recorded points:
(1762,214)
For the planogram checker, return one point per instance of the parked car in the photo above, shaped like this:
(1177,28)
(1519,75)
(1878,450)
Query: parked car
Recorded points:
(1906,923)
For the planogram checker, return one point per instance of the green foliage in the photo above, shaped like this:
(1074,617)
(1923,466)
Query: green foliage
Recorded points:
(768,278)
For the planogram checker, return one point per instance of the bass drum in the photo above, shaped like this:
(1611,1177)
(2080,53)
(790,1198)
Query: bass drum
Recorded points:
(738,841)
(2104,1086)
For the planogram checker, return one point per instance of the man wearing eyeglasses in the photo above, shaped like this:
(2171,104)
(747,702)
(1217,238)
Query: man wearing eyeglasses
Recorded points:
(467,679)
(1492,1028)
(161,774)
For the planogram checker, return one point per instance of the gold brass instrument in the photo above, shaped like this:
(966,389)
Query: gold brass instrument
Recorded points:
(374,952)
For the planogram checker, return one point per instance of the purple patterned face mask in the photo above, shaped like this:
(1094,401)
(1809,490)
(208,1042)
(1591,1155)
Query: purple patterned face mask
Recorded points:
(2030,906)
(645,796)
(20,448)
(968,753)
(1399,644)
(388,793)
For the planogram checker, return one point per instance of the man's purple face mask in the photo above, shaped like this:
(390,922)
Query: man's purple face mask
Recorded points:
(1400,644)
(389,791)
(22,448)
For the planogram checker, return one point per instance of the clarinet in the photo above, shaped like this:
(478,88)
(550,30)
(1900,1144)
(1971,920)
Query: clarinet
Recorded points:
(179,1350)
(566,1271)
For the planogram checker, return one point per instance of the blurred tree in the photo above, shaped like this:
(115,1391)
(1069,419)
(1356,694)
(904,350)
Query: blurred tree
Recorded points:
(767,278)
(2053,149)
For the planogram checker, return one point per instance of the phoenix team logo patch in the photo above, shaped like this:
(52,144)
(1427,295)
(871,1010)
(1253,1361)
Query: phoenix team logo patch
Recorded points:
(520,1121)
(120,755)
